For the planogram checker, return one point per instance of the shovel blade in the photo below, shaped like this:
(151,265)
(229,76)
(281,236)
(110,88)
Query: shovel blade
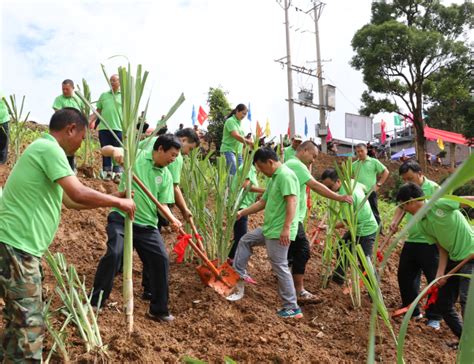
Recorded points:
(225,283)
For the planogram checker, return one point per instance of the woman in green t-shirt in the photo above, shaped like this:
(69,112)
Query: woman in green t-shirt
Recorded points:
(233,138)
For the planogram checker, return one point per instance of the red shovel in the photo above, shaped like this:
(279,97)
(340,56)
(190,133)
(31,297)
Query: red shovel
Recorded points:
(403,310)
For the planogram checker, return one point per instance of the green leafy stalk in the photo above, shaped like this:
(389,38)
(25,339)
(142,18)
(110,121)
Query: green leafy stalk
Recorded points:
(18,126)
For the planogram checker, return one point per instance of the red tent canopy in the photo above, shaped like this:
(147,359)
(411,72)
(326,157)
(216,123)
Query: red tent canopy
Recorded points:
(445,136)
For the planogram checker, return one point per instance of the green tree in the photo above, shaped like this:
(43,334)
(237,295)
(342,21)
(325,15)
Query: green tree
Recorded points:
(406,43)
(219,108)
(451,104)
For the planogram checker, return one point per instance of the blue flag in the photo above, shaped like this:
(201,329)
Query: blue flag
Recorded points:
(249,114)
(193,115)
(305,127)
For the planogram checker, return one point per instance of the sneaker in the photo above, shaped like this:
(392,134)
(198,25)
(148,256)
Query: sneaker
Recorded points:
(108,176)
(305,295)
(248,279)
(117,177)
(290,313)
(160,317)
(417,317)
(434,324)
(146,296)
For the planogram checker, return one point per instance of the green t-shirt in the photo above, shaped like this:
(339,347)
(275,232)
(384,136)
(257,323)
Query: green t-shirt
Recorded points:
(304,175)
(289,153)
(30,207)
(159,182)
(4,116)
(447,226)
(249,197)
(366,171)
(414,235)
(109,112)
(62,101)
(175,168)
(229,143)
(366,223)
(283,183)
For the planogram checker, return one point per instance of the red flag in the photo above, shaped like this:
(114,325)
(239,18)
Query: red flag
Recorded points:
(202,116)
(288,132)
(259,130)
(329,136)
(432,296)
(180,247)
(383,134)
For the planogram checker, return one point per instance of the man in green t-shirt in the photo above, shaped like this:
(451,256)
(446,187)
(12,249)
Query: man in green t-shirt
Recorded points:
(4,119)
(30,211)
(449,229)
(68,99)
(366,228)
(150,168)
(109,106)
(290,151)
(366,171)
(280,224)
(419,253)
(299,252)
(189,140)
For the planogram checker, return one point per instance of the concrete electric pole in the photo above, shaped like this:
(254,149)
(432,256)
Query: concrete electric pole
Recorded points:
(291,106)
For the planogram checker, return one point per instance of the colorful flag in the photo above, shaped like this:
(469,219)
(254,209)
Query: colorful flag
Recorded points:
(259,130)
(329,136)
(397,120)
(305,127)
(202,116)
(440,143)
(383,134)
(249,113)
(288,132)
(193,115)
(267,128)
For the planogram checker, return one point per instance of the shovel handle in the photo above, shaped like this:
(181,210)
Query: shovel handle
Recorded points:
(390,235)
(452,271)
(160,207)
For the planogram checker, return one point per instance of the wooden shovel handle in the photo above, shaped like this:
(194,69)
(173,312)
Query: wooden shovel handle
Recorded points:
(390,235)
(160,207)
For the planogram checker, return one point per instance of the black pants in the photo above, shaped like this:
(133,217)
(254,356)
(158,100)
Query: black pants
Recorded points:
(448,295)
(373,201)
(367,243)
(151,250)
(107,138)
(240,229)
(3,142)
(417,258)
(299,251)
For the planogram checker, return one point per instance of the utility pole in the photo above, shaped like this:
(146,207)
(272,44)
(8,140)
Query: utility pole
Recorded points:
(291,107)
(318,7)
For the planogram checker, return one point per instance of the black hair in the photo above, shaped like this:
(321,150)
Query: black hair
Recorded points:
(330,173)
(361,145)
(188,133)
(409,165)
(409,191)
(65,117)
(162,131)
(306,145)
(238,108)
(67,81)
(167,141)
(264,154)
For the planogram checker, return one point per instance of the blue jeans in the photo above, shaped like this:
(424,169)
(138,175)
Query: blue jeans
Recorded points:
(230,161)
(107,138)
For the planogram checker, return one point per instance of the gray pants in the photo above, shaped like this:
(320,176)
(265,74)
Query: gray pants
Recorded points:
(278,255)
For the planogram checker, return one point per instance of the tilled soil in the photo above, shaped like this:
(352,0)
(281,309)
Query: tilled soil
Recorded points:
(208,327)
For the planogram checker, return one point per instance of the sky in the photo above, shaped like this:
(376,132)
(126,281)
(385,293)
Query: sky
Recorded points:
(187,46)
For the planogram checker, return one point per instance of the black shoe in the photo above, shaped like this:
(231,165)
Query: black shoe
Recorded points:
(146,296)
(160,317)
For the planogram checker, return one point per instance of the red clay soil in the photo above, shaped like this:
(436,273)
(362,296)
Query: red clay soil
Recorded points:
(208,327)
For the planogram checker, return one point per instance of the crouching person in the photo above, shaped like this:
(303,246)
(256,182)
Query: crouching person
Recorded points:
(367,226)
(150,168)
(280,202)
(30,211)
(454,237)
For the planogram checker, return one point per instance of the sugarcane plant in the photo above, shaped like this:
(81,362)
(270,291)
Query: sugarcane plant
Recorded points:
(18,124)
(88,152)
(132,87)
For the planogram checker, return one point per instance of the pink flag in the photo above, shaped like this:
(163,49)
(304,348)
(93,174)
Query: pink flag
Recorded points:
(383,134)
(329,136)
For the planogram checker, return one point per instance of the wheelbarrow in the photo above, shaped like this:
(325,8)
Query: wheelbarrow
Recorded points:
(222,279)
(403,310)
